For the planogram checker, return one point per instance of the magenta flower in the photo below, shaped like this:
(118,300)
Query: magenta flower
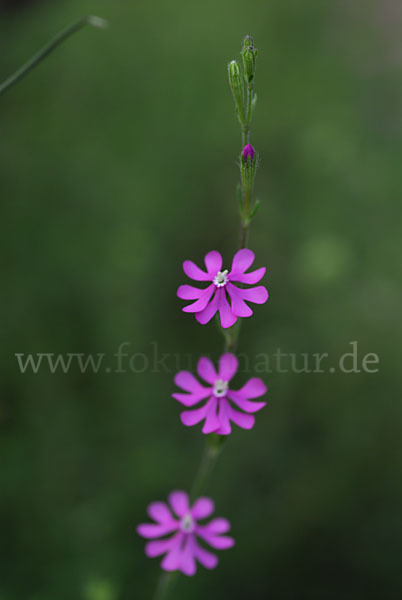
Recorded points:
(217,410)
(213,298)
(248,151)
(182,549)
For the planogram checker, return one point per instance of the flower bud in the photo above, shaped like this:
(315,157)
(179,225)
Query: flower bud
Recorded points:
(248,152)
(248,167)
(249,54)
(236,85)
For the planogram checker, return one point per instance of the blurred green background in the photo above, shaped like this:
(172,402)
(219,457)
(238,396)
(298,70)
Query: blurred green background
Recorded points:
(118,161)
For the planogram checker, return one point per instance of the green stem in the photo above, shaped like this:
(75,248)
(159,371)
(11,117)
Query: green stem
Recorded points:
(49,47)
(245,222)
(249,102)
(244,136)
(164,584)
(246,121)
(211,452)
(244,235)
(214,442)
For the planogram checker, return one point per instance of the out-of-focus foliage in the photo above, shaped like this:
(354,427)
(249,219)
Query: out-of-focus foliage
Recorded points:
(117,161)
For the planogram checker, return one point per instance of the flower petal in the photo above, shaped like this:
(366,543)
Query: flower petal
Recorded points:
(242,402)
(206,315)
(239,307)
(225,428)
(188,292)
(206,370)
(158,511)
(192,417)
(254,388)
(258,294)
(172,560)
(213,262)
(252,277)
(227,317)
(242,260)
(194,272)
(178,500)
(207,559)
(186,381)
(202,302)
(159,547)
(228,365)
(202,508)
(150,530)
(187,562)
(216,526)
(222,542)
(192,399)
(242,420)
(212,422)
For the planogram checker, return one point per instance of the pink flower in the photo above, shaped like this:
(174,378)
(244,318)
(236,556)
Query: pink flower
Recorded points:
(182,549)
(213,298)
(217,410)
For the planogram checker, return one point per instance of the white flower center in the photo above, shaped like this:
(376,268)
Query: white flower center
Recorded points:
(220,388)
(187,523)
(221,278)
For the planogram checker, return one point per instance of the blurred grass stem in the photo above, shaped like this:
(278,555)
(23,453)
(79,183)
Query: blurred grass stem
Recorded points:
(63,35)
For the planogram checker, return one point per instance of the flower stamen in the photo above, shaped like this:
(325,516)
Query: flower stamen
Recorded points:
(187,523)
(220,388)
(221,278)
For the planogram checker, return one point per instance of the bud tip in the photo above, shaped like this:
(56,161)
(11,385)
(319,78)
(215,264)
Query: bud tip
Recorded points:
(97,22)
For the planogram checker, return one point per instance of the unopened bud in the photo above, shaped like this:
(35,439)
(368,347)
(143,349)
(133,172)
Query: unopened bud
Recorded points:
(248,152)
(236,85)
(248,167)
(249,54)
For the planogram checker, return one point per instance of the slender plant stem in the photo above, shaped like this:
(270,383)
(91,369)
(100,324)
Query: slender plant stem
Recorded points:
(246,193)
(49,47)
(211,452)
(249,102)
(214,443)
(165,583)
(244,236)
(246,122)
